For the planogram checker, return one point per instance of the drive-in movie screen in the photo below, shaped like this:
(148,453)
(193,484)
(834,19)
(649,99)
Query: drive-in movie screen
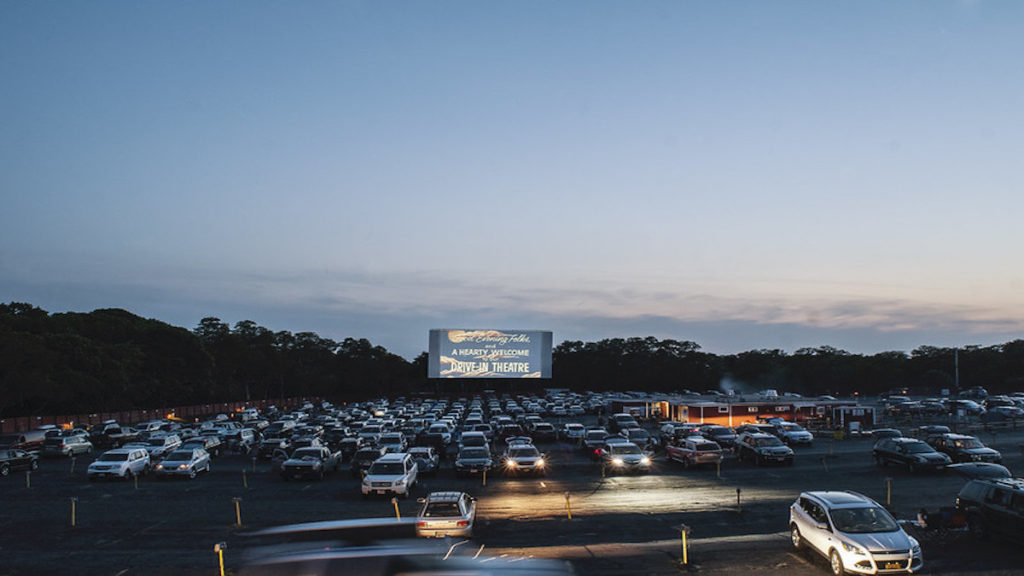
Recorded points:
(490,354)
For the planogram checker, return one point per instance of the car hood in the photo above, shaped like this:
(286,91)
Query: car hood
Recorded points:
(879,541)
(981,452)
(383,477)
(775,450)
(301,462)
(473,461)
(933,457)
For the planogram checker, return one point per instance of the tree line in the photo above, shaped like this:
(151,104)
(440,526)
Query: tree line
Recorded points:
(111,359)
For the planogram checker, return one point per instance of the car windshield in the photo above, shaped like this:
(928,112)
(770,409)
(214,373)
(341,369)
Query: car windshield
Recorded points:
(918,448)
(792,427)
(763,442)
(474,453)
(368,454)
(307,453)
(596,435)
(520,451)
(625,449)
(863,520)
(156,442)
(969,443)
(388,468)
(706,447)
(436,509)
(179,455)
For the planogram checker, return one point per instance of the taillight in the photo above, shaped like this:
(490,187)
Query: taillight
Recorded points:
(421,524)
(462,524)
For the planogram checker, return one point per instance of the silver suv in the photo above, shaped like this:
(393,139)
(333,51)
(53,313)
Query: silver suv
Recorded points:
(394,473)
(854,532)
(120,463)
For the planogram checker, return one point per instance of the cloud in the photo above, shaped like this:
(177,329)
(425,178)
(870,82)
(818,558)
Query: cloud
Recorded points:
(396,310)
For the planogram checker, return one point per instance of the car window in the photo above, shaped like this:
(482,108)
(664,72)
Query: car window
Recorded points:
(867,520)
(442,509)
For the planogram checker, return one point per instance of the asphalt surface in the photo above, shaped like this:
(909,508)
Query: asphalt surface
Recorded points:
(618,525)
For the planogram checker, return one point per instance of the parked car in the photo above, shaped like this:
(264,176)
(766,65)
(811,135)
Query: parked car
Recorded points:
(310,462)
(67,445)
(427,460)
(524,459)
(762,449)
(446,514)
(473,460)
(624,457)
(792,433)
(243,440)
(694,451)
(17,459)
(854,532)
(572,432)
(723,435)
(961,448)
(393,441)
(123,463)
(915,454)
(673,431)
(160,446)
(883,433)
(188,463)
(394,473)
(994,507)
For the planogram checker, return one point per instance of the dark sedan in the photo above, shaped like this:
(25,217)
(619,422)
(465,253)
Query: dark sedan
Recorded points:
(915,454)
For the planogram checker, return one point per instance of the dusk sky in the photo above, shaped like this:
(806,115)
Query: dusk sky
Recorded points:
(743,175)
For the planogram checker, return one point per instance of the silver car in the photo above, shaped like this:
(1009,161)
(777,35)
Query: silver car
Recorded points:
(188,463)
(446,514)
(854,532)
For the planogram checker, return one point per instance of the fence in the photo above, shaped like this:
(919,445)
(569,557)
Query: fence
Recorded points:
(187,413)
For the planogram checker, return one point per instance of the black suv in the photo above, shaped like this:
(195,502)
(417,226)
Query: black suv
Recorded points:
(961,448)
(761,448)
(994,507)
(914,454)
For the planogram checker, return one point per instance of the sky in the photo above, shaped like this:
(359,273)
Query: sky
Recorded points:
(743,175)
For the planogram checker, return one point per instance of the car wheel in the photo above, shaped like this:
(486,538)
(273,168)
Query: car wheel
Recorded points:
(686,463)
(5,470)
(836,564)
(192,474)
(34,465)
(796,537)
(976,524)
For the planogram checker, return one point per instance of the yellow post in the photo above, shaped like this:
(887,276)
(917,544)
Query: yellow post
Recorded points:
(684,530)
(485,476)
(888,492)
(238,511)
(568,506)
(28,478)
(74,500)
(73,460)
(219,549)
(397,513)
(719,472)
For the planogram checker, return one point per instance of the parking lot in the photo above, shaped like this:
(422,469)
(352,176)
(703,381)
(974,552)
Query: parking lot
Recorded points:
(629,524)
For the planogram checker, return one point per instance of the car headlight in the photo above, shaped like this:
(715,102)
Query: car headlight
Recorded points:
(510,463)
(617,462)
(159,466)
(183,467)
(854,549)
(540,463)
(645,461)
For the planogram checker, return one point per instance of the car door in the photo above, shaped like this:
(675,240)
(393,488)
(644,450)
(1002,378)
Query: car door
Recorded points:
(819,531)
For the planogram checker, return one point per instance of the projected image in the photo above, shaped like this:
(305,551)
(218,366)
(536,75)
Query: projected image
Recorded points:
(489,354)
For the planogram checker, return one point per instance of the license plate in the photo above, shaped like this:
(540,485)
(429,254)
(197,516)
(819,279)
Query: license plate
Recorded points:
(382,492)
(892,566)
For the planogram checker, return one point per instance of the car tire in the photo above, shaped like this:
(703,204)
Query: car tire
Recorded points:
(5,470)
(192,474)
(796,537)
(976,525)
(33,466)
(836,563)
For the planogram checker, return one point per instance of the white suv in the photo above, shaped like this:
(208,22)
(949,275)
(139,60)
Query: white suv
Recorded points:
(119,463)
(394,473)
(854,532)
